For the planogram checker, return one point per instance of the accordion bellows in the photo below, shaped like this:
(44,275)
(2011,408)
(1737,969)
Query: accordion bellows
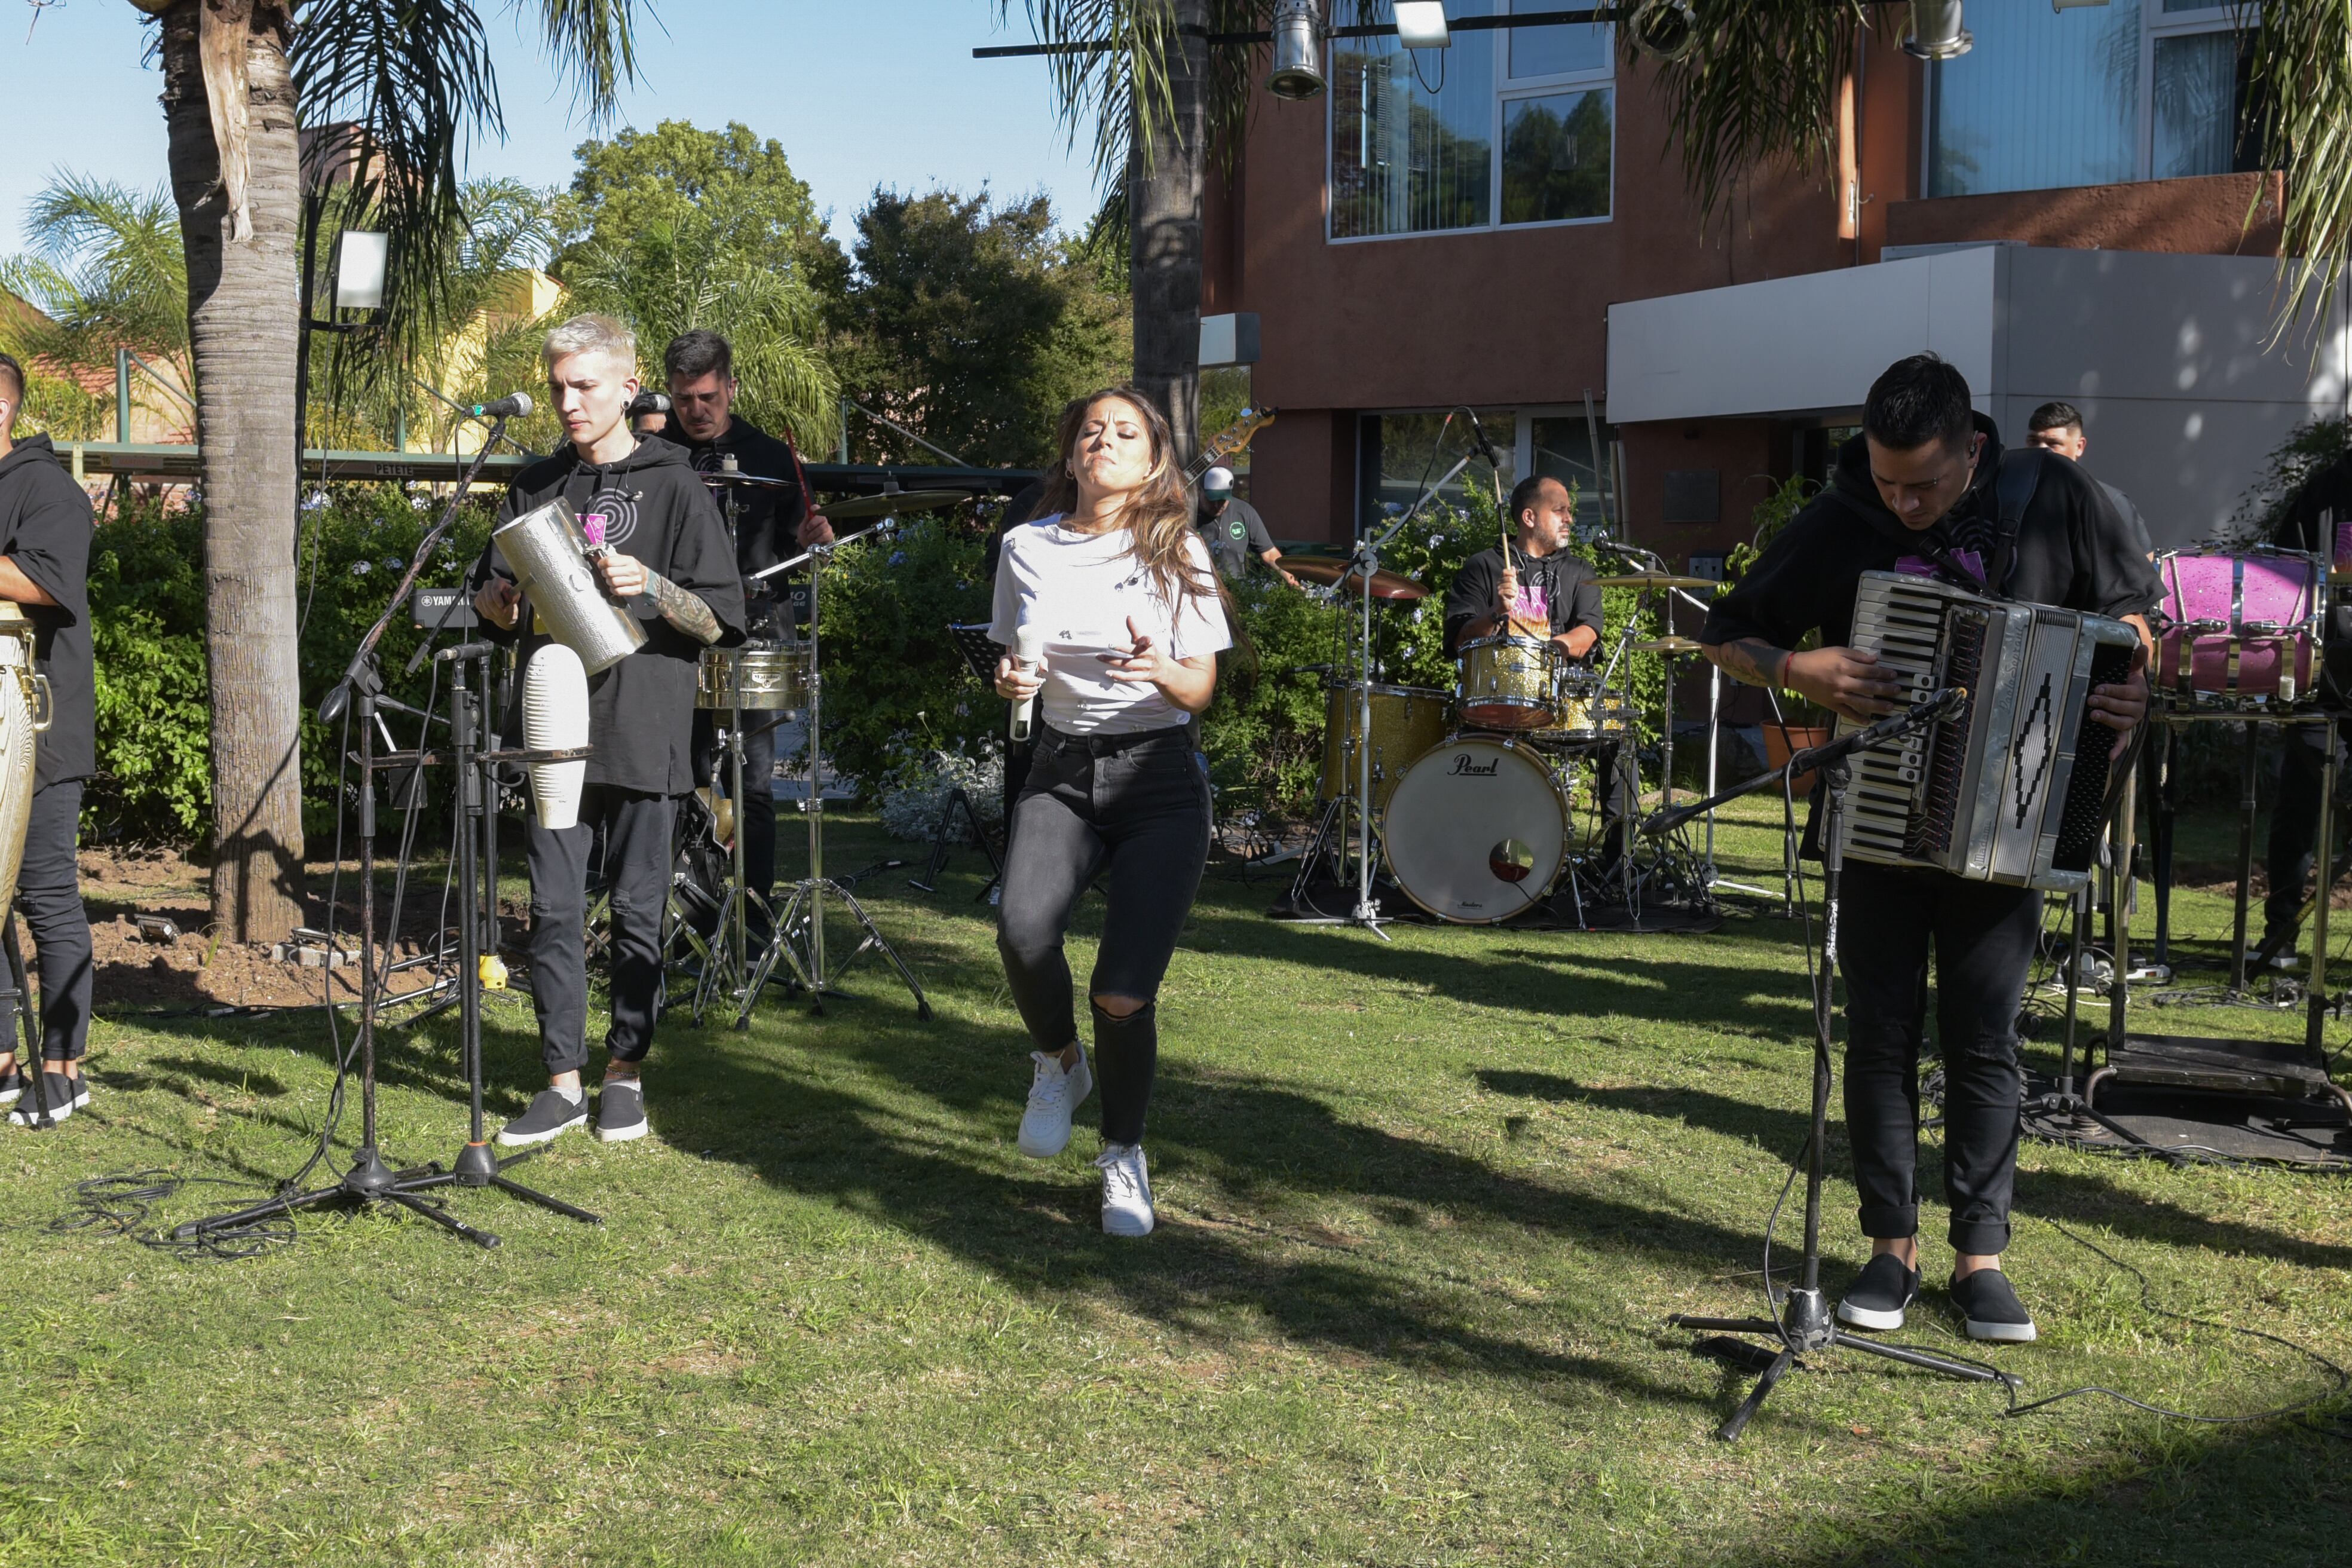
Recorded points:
(2014,788)
(555,715)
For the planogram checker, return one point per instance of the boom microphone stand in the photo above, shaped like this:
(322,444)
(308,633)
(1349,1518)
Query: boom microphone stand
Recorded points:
(1807,1324)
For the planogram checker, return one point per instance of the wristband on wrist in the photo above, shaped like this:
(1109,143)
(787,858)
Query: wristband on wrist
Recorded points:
(1781,676)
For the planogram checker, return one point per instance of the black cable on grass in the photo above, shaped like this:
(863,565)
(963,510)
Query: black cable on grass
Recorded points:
(124,1205)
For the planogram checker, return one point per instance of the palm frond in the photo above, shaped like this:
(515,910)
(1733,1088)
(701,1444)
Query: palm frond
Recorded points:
(2302,104)
(592,43)
(1759,87)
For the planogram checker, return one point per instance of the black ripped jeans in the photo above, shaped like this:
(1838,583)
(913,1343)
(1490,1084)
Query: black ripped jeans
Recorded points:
(1983,936)
(1138,805)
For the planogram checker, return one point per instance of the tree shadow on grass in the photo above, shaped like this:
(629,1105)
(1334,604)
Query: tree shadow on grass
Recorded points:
(2072,1195)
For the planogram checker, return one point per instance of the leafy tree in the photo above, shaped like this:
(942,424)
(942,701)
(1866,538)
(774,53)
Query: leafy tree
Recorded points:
(679,228)
(410,80)
(106,271)
(971,325)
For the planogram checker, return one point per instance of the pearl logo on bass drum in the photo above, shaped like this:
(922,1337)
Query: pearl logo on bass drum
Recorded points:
(1463,767)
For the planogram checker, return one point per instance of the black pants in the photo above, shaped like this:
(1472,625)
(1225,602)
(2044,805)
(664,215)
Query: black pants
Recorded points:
(636,864)
(49,895)
(2294,825)
(1983,937)
(1617,785)
(756,813)
(1140,804)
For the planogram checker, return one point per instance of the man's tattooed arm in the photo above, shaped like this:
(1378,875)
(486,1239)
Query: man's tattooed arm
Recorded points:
(1751,659)
(681,609)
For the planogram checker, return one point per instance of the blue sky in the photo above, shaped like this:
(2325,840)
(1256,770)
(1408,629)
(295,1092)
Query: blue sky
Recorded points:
(860,94)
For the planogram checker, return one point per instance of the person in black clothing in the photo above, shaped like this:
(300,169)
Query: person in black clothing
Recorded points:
(769,525)
(1543,584)
(1920,484)
(2058,427)
(667,561)
(2308,523)
(45,527)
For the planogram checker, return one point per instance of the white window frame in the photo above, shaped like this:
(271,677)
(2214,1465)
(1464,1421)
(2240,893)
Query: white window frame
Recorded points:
(1507,90)
(2155,23)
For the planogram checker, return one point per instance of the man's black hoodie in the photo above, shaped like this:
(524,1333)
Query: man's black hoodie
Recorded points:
(2072,551)
(641,711)
(45,528)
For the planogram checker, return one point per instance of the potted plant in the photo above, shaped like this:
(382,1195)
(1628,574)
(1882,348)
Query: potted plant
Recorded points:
(1803,724)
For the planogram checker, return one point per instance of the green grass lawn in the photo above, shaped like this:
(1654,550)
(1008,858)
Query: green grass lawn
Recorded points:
(1424,1204)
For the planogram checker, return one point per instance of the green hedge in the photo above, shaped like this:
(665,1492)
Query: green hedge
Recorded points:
(147,613)
(896,690)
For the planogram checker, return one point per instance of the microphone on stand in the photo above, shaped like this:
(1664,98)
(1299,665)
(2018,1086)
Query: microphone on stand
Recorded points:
(1486,447)
(514,406)
(645,403)
(1028,648)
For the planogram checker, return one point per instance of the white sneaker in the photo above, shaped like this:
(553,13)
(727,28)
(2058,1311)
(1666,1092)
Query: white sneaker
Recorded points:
(1053,1094)
(1127,1190)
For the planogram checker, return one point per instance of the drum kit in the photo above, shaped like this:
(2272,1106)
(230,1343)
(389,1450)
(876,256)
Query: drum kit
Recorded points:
(1466,799)
(770,680)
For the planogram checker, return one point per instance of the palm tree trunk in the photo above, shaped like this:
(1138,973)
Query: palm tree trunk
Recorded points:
(242,304)
(1163,202)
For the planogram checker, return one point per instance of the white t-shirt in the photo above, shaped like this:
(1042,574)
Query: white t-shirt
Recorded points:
(1082,588)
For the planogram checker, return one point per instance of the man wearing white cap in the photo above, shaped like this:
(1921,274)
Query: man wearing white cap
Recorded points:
(1232,530)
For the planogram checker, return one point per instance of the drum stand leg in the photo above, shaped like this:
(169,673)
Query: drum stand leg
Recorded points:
(727,961)
(2245,865)
(796,937)
(1329,841)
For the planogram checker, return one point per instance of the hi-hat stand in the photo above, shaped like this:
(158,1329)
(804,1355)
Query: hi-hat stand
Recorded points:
(797,938)
(1807,1324)
(726,967)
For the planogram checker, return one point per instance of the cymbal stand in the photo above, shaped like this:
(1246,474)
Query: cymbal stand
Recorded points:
(726,968)
(1807,1324)
(797,937)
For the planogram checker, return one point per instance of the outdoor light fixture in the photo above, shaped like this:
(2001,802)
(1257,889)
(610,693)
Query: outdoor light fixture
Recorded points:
(361,259)
(1420,25)
(1935,31)
(1297,52)
(1664,28)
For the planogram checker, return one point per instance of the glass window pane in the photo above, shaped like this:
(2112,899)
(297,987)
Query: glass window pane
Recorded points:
(1555,51)
(2043,100)
(1412,133)
(2196,92)
(1555,156)
(1563,451)
(2172,5)
(1411,455)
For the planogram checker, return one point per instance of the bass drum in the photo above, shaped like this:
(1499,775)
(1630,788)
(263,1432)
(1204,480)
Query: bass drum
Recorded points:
(1477,829)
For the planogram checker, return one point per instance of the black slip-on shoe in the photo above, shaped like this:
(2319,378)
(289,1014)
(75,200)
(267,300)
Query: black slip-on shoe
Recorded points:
(549,1116)
(620,1110)
(1989,1307)
(1878,1299)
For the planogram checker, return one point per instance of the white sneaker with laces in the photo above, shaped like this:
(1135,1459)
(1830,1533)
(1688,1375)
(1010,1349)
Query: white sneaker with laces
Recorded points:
(1054,1093)
(1127,1190)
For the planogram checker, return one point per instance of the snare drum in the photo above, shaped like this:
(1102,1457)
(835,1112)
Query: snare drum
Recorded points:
(1406,721)
(758,677)
(1587,713)
(1506,683)
(2240,632)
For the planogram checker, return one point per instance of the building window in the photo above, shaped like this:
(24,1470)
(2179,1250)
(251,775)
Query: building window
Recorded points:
(2134,89)
(1414,132)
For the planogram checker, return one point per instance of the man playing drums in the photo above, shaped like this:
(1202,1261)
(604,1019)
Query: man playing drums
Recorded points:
(1539,588)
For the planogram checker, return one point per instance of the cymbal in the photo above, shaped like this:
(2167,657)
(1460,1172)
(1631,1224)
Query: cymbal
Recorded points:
(1385,585)
(890,501)
(737,480)
(1655,580)
(1667,645)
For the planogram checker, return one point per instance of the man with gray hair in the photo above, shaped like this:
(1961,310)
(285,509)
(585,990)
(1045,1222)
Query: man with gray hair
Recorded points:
(665,559)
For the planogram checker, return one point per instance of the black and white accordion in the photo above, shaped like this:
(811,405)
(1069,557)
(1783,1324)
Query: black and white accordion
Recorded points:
(2013,787)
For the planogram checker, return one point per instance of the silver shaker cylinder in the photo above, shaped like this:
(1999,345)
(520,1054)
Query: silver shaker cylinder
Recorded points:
(548,556)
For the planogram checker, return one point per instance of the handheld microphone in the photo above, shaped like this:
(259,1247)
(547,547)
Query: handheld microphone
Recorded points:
(465,650)
(645,403)
(1028,648)
(514,406)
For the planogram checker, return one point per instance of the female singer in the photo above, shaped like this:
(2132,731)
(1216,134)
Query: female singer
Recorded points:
(1115,576)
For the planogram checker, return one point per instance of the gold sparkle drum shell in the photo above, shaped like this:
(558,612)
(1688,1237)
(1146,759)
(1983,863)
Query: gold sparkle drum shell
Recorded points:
(1406,721)
(1506,683)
